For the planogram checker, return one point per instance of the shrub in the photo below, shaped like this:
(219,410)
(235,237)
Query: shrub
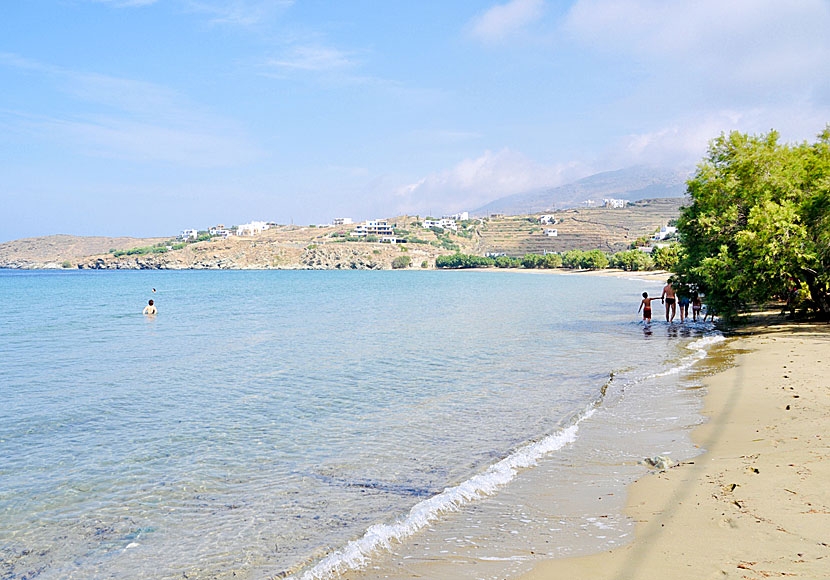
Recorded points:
(457,261)
(401,262)
(594,260)
(66,264)
(552,261)
(631,261)
(425,264)
(572,259)
(531,261)
(505,262)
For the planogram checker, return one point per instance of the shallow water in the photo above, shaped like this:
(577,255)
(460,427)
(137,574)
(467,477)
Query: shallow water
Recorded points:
(266,419)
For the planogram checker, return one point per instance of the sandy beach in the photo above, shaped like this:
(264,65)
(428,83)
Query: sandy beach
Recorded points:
(649,275)
(756,503)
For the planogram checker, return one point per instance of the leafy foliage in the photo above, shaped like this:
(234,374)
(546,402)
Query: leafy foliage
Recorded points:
(401,262)
(458,261)
(759,224)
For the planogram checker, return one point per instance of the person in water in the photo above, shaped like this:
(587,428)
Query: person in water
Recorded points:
(683,302)
(150,309)
(696,306)
(645,306)
(670,298)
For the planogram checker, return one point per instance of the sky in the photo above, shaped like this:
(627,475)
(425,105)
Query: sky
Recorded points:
(146,117)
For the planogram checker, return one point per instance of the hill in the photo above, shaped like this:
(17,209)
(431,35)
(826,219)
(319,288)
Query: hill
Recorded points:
(632,184)
(610,230)
(52,251)
(330,247)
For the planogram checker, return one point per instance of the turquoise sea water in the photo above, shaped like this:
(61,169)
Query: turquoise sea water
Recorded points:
(266,419)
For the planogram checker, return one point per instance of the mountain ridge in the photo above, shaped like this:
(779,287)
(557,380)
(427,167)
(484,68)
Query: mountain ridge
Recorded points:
(630,183)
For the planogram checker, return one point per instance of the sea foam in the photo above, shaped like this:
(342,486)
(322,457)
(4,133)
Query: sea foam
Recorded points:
(357,553)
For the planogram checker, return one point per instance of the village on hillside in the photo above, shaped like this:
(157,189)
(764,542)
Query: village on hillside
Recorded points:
(609,226)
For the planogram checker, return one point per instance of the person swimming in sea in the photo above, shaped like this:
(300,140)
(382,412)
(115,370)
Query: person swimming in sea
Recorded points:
(645,306)
(150,309)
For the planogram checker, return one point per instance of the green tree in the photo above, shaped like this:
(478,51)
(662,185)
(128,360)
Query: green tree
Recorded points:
(401,262)
(572,259)
(666,258)
(759,224)
(551,261)
(531,261)
(594,260)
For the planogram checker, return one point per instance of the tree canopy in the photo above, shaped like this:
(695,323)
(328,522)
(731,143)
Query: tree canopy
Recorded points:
(759,223)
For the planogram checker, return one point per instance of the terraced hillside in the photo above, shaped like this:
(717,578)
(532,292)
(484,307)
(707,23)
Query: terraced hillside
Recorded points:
(583,229)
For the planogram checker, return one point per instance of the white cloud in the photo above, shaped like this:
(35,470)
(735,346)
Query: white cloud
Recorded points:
(751,42)
(238,12)
(504,20)
(311,58)
(684,142)
(474,182)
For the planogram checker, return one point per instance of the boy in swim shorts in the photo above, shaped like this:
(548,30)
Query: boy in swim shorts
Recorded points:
(645,306)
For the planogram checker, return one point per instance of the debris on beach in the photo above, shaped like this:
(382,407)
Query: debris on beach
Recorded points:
(660,462)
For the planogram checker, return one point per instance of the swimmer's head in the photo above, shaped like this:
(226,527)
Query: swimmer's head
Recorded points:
(645,294)
(151,302)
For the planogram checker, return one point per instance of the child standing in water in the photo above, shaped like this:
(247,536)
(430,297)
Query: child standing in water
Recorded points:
(696,306)
(645,306)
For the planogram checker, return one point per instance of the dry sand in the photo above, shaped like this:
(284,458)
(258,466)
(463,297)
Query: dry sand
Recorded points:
(757,503)
(651,275)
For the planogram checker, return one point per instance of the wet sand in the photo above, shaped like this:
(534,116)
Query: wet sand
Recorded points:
(756,504)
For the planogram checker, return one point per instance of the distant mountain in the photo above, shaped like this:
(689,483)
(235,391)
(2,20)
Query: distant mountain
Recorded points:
(632,183)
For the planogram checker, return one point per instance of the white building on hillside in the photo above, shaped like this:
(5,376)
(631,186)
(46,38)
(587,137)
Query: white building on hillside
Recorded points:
(222,232)
(444,224)
(252,228)
(373,228)
(189,234)
(461,216)
(547,219)
(664,233)
(551,233)
(614,203)
(342,221)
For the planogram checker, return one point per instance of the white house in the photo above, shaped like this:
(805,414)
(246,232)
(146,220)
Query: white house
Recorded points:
(664,233)
(252,228)
(220,232)
(341,221)
(551,233)
(189,234)
(614,203)
(547,219)
(444,223)
(461,216)
(590,203)
(373,228)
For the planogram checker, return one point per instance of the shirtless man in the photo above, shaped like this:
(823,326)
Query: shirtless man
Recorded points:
(150,309)
(670,300)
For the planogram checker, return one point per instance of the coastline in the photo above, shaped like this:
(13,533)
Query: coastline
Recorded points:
(755,503)
(648,275)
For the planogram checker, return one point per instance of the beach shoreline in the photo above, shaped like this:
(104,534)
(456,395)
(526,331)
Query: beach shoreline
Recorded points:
(755,503)
(647,275)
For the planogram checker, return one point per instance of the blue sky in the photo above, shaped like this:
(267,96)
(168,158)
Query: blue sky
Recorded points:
(144,117)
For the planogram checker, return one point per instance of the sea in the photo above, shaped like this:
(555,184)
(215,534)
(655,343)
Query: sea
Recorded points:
(325,424)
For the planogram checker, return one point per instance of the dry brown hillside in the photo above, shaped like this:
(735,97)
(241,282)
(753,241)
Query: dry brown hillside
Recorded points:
(610,230)
(54,250)
(290,246)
